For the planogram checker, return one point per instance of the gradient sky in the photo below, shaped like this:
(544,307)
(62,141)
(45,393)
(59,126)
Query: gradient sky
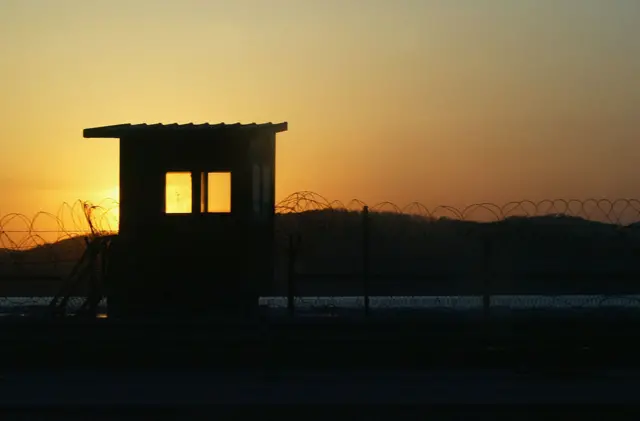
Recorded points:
(443,102)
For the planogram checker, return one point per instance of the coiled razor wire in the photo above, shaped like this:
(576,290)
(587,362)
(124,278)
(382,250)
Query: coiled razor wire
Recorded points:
(20,233)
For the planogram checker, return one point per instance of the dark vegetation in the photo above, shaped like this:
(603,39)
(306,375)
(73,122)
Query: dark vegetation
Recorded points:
(411,254)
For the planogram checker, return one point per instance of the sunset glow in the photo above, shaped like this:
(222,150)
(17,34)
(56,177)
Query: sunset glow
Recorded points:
(442,102)
(113,193)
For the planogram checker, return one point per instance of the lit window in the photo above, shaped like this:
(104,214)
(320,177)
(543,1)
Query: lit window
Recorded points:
(219,192)
(178,192)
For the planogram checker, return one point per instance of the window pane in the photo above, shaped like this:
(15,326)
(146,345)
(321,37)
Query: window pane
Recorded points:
(219,192)
(178,192)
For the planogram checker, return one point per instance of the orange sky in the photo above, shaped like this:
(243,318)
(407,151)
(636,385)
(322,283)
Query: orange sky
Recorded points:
(443,102)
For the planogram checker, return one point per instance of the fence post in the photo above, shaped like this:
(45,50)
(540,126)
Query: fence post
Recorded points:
(291,296)
(94,290)
(365,258)
(486,287)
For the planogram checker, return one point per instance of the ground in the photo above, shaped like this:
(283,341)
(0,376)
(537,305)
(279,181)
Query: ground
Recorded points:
(184,389)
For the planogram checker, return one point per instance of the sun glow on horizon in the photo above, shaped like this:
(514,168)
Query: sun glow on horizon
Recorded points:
(430,101)
(113,193)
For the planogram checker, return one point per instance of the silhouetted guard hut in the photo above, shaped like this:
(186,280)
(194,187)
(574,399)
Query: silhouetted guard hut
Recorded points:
(196,218)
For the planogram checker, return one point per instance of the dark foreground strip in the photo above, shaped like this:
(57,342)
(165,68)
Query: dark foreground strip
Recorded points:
(552,343)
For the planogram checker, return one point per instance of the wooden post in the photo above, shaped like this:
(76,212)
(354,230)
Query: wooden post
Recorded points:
(104,261)
(486,275)
(365,258)
(204,192)
(291,277)
(94,292)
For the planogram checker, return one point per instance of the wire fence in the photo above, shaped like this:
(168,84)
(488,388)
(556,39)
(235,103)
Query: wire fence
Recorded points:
(570,254)
(524,255)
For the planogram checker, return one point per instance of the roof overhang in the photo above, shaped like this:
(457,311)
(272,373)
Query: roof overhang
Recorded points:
(120,131)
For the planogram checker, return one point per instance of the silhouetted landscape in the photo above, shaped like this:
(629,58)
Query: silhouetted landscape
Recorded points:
(149,254)
(410,255)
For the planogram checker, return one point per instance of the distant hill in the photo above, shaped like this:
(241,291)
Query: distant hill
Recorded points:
(400,242)
(54,259)
(409,246)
